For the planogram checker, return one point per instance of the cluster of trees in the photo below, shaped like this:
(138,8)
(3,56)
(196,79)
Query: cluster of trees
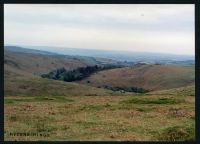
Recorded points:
(126,89)
(76,74)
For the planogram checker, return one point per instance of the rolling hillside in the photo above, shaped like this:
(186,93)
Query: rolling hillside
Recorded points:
(40,62)
(25,50)
(181,91)
(150,77)
(35,86)
(20,83)
(81,111)
(22,72)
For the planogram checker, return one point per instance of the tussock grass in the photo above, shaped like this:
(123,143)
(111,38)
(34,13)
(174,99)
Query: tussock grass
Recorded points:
(101,118)
(152,101)
(8,101)
(54,99)
(146,110)
(25,86)
(37,99)
(182,91)
(91,107)
(178,133)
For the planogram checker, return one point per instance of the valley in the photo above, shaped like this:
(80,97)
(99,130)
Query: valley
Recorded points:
(107,99)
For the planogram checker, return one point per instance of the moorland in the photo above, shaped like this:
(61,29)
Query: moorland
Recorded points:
(79,97)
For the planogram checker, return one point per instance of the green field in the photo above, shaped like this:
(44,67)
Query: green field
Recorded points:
(141,117)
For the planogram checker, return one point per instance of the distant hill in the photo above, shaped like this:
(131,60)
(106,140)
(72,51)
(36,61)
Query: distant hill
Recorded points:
(23,67)
(125,57)
(25,50)
(118,55)
(183,63)
(40,62)
(150,77)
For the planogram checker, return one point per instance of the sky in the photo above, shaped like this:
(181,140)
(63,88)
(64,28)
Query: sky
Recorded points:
(161,28)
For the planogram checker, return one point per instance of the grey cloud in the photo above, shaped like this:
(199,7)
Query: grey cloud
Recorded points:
(100,21)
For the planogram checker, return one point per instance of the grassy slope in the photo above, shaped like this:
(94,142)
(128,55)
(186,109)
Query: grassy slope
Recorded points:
(139,117)
(162,115)
(153,77)
(17,85)
(182,91)
(21,70)
(38,64)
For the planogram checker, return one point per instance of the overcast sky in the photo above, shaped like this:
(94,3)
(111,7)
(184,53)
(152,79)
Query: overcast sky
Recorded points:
(131,27)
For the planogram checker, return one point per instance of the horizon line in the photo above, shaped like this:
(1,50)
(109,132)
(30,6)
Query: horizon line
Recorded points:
(24,46)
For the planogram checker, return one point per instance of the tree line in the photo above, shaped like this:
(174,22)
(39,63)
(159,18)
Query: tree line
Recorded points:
(76,74)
